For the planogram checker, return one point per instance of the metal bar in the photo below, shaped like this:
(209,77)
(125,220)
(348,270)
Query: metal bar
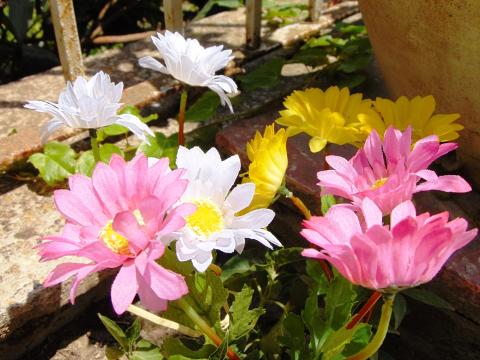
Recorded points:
(173,15)
(314,9)
(254,23)
(66,34)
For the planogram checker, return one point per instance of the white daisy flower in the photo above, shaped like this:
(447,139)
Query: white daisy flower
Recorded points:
(214,224)
(189,62)
(88,104)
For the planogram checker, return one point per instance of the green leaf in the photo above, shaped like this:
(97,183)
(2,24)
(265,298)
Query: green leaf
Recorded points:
(113,353)
(350,28)
(428,297)
(336,342)
(115,331)
(56,163)
(314,321)
(220,353)
(284,256)
(107,150)
(327,202)
(264,76)
(170,261)
(174,346)
(339,301)
(352,81)
(235,265)
(243,319)
(399,310)
(204,108)
(322,41)
(315,271)
(144,350)
(231,4)
(133,332)
(85,163)
(359,341)
(354,64)
(160,146)
(294,338)
(311,57)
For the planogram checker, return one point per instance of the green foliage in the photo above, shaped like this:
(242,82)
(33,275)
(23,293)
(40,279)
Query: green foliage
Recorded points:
(327,201)
(243,319)
(278,15)
(263,76)
(117,130)
(204,108)
(428,297)
(160,146)
(229,4)
(56,163)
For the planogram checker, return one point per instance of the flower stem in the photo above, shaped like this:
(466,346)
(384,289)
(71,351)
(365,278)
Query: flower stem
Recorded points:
(163,322)
(382,330)
(94,145)
(204,327)
(365,309)
(181,117)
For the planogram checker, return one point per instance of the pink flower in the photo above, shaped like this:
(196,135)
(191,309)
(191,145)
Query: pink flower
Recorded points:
(389,172)
(409,252)
(113,220)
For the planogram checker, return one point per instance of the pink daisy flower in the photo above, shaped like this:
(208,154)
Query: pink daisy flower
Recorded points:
(408,252)
(389,173)
(113,220)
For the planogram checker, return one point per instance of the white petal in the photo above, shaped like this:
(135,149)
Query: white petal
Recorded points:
(48,128)
(149,62)
(135,125)
(256,219)
(241,196)
(202,261)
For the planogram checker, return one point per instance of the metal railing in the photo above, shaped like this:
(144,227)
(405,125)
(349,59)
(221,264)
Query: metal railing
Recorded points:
(68,43)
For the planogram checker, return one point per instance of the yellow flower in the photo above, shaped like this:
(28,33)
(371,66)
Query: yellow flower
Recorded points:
(417,112)
(268,164)
(329,116)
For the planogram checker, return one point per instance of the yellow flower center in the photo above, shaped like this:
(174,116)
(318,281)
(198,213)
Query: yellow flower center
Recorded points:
(116,242)
(206,220)
(113,240)
(379,183)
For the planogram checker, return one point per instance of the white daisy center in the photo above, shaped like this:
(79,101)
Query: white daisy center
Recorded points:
(207,219)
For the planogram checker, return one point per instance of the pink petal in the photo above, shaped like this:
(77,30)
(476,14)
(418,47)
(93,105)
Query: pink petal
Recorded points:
(82,186)
(448,183)
(107,188)
(164,283)
(126,225)
(72,208)
(371,213)
(402,211)
(124,287)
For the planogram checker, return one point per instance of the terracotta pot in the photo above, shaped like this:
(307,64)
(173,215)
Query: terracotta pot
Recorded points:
(432,47)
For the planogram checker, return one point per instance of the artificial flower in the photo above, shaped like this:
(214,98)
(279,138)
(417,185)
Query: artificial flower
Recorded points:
(408,252)
(215,224)
(329,116)
(389,171)
(417,113)
(189,62)
(113,220)
(268,164)
(88,104)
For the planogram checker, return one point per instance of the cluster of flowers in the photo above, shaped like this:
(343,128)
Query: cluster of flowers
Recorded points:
(126,214)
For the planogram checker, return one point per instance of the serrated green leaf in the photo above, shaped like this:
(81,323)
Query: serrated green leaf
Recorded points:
(428,297)
(235,265)
(204,108)
(316,272)
(174,346)
(327,201)
(107,150)
(399,310)
(284,256)
(264,76)
(113,353)
(160,146)
(339,301)
(338,340)
(243,319)
(115,331)
(56,163)
(144,350)
(85,163)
